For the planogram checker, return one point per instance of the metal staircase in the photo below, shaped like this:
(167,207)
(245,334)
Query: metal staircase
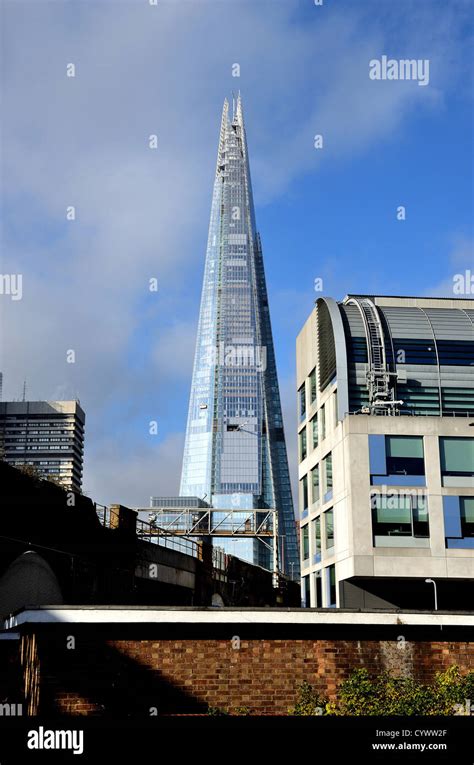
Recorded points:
(376,346)
(380,381)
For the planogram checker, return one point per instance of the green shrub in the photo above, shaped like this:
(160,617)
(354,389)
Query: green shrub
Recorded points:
(365,694)
(309,702)
(216,712)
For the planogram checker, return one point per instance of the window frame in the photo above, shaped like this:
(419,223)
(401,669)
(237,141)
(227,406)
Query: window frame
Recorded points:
(313,388)
(302,444)
(412,530)
(329,513)
(302,402)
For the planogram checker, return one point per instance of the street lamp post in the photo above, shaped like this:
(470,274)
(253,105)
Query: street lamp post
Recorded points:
(432,581)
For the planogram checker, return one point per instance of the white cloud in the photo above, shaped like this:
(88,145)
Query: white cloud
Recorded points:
(130,477)
(460,262)
(140,213)
(173,352)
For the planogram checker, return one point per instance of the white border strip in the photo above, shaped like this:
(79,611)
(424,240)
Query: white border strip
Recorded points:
(234,616)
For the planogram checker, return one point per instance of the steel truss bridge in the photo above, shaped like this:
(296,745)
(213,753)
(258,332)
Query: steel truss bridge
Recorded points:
(214,522)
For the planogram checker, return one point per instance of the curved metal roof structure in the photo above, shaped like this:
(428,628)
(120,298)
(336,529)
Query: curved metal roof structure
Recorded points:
(410,356)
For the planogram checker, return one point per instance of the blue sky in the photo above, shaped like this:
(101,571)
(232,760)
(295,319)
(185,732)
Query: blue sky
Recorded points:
(327,213)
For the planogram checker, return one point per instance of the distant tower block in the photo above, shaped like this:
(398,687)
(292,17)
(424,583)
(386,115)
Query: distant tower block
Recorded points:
(45,435)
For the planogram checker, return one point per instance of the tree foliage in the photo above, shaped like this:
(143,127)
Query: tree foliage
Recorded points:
(365,694)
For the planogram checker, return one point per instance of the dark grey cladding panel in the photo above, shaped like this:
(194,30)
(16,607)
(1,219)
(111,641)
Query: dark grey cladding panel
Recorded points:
(428,374)
(447,361)
(355,336)
(450,324)
(407,322)
(332,354)
(354,319)
(326,344)
(470,313)
(452,376)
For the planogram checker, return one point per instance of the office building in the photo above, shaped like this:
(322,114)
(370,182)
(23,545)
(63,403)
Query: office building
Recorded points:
(235,452)
(386,452)
(46,435)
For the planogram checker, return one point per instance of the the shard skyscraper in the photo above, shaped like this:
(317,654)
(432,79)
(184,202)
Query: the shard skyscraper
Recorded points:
(235,453)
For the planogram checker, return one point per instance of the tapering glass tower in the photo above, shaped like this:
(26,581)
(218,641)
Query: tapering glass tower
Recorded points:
(235,453)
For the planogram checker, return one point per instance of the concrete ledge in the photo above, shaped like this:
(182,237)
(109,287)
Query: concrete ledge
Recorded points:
(306,617)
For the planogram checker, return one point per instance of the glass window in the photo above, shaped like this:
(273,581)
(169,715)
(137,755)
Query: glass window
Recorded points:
(419,509)
(459,521)
(322,422)
(304,492)
(394,513)
(328,472)
(318,589)
(315,484)
(452,517)
(404,455)
(317,538)
(466,505)
(457,456)
(314,431)
(404,446)
(306,592)
(332,585)
(329,529)
(400,515)
(312,387)
(302,403)
(305,542)
(303,446)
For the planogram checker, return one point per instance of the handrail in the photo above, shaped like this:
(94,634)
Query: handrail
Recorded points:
(147,532)
(411,413)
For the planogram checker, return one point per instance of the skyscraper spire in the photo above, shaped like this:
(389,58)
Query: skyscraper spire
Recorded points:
(222,134)
(235,450)
(238,112)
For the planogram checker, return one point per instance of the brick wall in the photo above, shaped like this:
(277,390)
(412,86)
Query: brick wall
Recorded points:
(129,676)
(11,680)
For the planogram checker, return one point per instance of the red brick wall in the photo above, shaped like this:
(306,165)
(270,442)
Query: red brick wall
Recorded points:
(11,680)
(128,677)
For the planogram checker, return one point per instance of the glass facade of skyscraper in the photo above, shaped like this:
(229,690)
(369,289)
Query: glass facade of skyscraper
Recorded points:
(235,453)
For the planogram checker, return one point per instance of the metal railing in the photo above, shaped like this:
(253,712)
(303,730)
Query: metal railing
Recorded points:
(409,412)
(179,527)
(149,532)
(215,522)
(103,514)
